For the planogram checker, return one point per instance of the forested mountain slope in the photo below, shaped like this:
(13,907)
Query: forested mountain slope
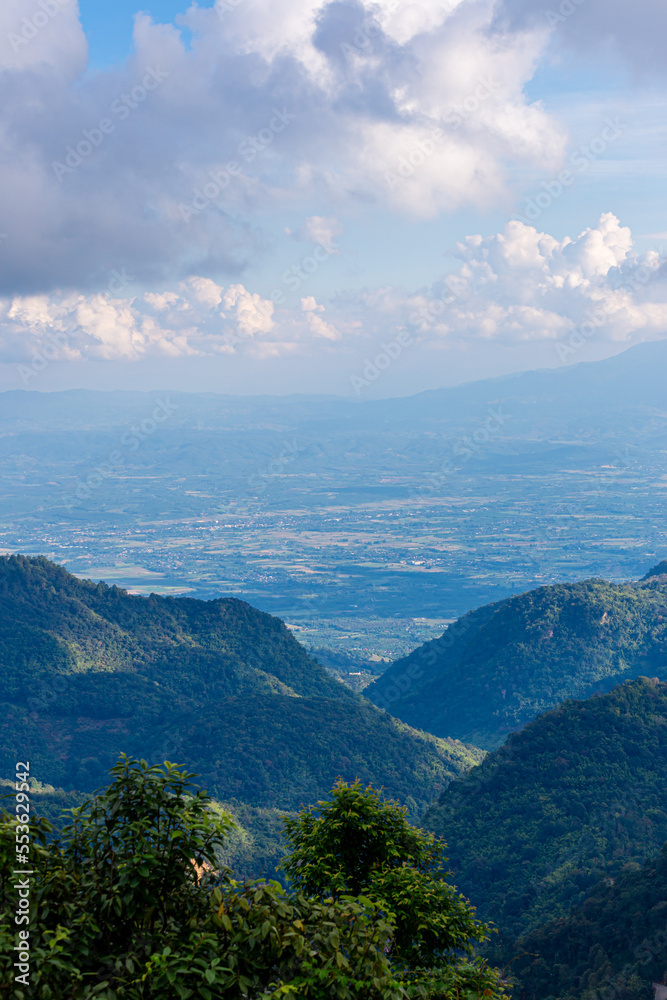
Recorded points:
(50,621)
(88,671)
(614,944)
(570,800)
(498,667)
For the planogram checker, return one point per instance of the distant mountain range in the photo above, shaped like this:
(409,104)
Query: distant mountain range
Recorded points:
(573,417)
(497,668)
(88,671)
(541,405)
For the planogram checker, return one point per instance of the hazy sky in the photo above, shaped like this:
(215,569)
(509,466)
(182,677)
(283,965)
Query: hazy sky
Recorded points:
(345,197)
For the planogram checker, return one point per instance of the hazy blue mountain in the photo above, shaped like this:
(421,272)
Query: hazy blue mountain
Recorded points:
(537,402)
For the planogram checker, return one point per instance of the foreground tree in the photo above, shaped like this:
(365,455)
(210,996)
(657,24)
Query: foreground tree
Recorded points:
(128,904)
(358,844)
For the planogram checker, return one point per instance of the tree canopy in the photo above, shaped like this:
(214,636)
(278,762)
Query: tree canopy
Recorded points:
(130,902)
(356,843)
(499,667)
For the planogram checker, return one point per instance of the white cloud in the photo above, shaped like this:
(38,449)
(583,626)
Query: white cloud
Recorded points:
(309,304)
(321,229)
(320,328)
(314,103)
(197,317)
(518,286)
(632,32)
(525,285)
(206,291)
(42,37)
(251,312)
(316,324)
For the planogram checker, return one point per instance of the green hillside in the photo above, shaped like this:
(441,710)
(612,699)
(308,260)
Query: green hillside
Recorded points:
(253,849)
(53,623)
(615,944)
(570,800)
(498,667)
(88,671)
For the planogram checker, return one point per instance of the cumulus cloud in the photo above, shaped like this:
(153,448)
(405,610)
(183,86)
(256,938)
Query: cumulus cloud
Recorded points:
(196,318)
(524,285)
(317,325)
(514,287)
(161,164)
(634,32)
(39,37)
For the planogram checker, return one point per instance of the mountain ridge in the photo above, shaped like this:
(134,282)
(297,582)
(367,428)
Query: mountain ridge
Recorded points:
(89,670)
(611,944)
(570,800)
(524,655)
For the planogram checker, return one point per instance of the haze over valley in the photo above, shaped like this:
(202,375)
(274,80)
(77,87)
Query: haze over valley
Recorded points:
(366,525)
(333,482)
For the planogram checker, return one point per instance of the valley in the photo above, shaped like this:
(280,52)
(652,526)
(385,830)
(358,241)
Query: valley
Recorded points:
(539,824)
(368,525)
(280,594)
(333,500)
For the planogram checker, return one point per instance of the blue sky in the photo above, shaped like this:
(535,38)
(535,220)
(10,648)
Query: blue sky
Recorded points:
(108,27)
(267,196)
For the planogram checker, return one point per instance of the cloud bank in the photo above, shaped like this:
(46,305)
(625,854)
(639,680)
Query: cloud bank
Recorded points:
(515,287)
(160,165)
(131,198)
